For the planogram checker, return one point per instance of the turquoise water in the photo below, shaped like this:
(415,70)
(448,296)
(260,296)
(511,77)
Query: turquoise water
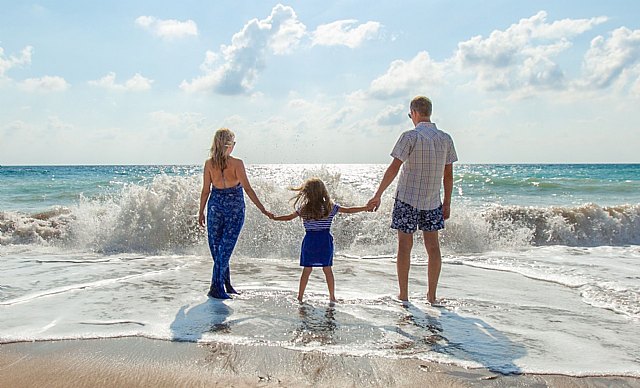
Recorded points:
(37,188)
(553,184)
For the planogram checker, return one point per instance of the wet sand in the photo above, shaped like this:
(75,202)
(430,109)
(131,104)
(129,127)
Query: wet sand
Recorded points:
(140,362)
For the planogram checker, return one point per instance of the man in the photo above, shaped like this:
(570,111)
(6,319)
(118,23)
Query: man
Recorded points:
(426,155)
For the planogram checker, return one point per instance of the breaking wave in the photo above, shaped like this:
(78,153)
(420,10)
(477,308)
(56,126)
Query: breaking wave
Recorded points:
(161,216)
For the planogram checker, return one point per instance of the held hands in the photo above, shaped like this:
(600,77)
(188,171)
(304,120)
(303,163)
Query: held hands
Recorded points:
(267,213)
(373,204)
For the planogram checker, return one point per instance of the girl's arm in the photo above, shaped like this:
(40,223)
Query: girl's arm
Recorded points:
(204,195)
(356,209)
(244,180)
(288,217)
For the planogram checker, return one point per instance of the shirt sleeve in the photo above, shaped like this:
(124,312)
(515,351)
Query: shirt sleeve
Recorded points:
(452,156)
(403,147)
(335,209)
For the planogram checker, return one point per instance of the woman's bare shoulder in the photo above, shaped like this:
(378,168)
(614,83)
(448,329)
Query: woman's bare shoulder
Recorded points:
(235,162)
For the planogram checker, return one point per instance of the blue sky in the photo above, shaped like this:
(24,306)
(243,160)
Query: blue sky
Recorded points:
(145,82)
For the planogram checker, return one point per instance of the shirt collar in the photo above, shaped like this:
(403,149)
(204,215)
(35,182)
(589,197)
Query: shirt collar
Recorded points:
(425,125)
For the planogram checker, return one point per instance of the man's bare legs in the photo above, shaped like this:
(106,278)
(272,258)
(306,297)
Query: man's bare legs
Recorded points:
(304,279)
(405,243)
(328,274)
(432,244)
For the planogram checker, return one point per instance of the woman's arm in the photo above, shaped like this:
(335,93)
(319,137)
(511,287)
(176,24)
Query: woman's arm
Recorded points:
(356,209)
(241,173)
(204,195)
(288,217)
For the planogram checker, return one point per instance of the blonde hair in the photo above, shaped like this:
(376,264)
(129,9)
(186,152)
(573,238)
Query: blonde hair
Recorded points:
(313,200)
(422,105)
(222,140)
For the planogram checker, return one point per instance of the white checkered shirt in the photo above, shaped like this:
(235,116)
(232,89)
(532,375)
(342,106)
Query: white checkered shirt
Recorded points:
(424,152)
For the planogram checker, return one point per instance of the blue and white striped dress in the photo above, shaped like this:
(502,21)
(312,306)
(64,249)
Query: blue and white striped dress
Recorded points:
(317,245)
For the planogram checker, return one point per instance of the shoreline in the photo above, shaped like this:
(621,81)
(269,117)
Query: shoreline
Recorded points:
(138,361)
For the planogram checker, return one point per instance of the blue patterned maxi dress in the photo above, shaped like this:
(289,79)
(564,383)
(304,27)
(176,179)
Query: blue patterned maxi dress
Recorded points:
(225,217)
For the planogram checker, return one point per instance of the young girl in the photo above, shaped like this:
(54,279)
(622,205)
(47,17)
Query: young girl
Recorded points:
(314,206)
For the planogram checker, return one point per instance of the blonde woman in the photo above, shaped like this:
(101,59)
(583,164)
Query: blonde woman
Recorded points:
(314,206)
(222,195)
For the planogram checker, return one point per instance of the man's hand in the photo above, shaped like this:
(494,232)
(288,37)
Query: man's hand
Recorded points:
(446,210)
(373,204)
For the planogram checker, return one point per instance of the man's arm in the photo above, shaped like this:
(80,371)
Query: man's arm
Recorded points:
(447,181)
(387,179)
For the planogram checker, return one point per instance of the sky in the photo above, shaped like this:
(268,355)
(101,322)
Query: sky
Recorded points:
(149,81)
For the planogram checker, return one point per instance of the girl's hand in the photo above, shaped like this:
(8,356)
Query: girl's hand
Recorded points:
(268,214)
(201,219)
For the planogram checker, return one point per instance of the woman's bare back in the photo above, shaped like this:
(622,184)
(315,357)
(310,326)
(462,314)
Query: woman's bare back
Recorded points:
(228,177)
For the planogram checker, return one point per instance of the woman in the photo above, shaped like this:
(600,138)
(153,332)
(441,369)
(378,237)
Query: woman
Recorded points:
(224,179)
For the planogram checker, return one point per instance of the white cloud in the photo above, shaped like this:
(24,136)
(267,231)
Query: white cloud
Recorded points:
(245,57)
(184,122)
(16,126)
(520,57)
(341,116)
(565,28)
(168,29)
(488,113)
(393,115)
(607,59)
(635,87)
(136,83)
(55,124)
(344,33)
(402,77)
(45,84)
(299,103)
(7,63)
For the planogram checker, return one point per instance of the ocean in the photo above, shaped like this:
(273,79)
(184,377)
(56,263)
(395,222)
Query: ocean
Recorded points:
(541,266)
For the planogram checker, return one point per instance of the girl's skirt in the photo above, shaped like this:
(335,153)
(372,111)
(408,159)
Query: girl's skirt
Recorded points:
(317,249)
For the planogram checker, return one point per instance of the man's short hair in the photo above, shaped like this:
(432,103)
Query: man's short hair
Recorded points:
(422,105)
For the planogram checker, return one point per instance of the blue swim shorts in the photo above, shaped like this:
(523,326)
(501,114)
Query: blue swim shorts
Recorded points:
(407,218)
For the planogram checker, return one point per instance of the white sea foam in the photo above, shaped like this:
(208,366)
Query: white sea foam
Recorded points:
(161,216)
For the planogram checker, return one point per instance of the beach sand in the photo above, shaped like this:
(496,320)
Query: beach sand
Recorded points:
(140,362)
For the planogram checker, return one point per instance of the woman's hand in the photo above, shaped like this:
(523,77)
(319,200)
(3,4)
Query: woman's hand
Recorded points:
(201,219)
(268,213)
